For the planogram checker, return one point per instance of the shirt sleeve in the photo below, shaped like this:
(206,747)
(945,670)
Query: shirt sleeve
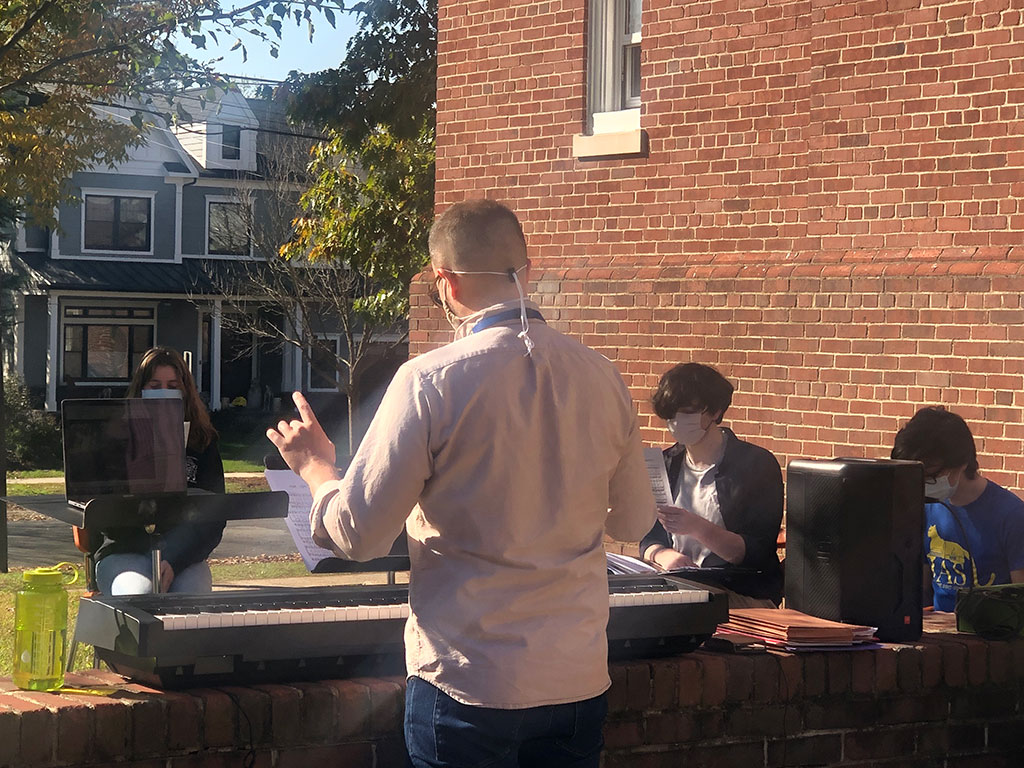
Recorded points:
(762,519)
(631,500)
(189,543)
(1015,538)
(360,516)
(210,469)
(657,535)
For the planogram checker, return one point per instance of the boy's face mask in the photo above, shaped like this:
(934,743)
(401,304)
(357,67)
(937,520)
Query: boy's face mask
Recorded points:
(939,488)
(686,428)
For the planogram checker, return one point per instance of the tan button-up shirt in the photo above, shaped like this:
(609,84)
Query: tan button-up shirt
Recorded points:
(513,467)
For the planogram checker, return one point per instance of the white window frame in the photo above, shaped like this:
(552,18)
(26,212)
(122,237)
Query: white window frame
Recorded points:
(137,193)
(72,303)
(21,239)
(336,338)
(609,108)
(206,243)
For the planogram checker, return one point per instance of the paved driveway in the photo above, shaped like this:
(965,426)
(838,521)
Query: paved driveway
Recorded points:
(35,542)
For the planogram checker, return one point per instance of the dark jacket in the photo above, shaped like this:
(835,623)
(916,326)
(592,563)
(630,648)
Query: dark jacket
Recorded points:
(185,544)
(749,485)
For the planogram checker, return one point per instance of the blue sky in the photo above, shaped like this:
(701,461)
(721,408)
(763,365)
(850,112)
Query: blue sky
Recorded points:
(296,52)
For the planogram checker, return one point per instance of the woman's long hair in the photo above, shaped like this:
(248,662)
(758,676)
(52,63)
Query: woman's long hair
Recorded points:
(201,432)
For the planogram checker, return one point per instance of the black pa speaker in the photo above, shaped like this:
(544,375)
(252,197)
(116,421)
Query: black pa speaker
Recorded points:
(854,539)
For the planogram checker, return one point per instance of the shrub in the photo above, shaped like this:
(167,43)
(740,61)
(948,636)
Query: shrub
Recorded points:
(32,437)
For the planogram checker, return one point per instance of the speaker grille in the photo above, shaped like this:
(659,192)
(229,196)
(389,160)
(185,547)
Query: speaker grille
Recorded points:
(816,516)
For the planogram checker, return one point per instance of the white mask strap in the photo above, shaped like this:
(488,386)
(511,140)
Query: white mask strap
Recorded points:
(525,333)
(513,275)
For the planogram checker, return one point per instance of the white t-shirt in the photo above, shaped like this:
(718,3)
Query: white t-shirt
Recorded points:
(696,491)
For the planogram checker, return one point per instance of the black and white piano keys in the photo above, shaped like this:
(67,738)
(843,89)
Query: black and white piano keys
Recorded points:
(309,633)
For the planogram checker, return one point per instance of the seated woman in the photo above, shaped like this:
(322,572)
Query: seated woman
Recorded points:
(123,561)
(727,493)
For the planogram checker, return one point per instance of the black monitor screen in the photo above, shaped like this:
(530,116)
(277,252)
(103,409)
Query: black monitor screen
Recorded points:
(132,446)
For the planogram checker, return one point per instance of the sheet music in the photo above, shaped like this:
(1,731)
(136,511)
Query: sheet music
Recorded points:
(625,564)
(300,501)
(655,461)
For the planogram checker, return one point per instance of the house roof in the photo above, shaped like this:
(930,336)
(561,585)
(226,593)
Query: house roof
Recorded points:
(191,276)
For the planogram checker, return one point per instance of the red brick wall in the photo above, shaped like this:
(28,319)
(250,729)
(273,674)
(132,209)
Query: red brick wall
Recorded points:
(828,212)
(945,699)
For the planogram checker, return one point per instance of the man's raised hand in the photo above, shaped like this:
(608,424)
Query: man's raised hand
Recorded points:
(304,445)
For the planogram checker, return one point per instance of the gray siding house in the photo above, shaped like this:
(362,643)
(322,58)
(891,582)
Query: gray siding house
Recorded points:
(134,262)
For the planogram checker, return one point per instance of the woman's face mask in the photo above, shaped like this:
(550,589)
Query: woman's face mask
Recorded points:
(686,428)
(163,394)
(939,488)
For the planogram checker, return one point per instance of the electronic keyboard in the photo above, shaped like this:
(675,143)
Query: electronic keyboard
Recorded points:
(265,635)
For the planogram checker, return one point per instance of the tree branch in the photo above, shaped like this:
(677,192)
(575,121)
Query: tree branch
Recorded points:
(30,21)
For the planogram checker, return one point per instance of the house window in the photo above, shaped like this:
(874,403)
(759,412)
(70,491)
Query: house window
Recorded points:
(227,226)
(105,343)
(231,142)
(116,223)
(613,81)
(323,364)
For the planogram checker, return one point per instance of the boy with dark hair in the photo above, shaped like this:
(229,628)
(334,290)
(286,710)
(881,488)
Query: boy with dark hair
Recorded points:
(727,493)
(974,528)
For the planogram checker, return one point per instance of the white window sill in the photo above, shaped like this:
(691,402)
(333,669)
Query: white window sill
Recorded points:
(618,144)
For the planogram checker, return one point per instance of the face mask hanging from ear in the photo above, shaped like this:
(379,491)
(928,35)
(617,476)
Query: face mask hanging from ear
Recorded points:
(513,275)
(453,320)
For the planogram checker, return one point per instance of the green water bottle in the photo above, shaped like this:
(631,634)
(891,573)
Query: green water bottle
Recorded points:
(41,628)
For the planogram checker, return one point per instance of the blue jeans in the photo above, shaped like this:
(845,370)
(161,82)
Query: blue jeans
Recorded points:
(131,574)
(440,732)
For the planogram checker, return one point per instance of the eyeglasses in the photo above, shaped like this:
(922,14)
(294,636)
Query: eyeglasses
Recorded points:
(434,296)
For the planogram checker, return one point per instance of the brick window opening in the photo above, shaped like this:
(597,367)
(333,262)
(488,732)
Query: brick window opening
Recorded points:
(613,66)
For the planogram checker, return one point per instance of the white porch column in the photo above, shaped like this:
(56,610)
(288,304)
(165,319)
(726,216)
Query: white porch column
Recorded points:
(19,335)
(297,360)
(178,187)
(52,350)
(197,362)
(215,356)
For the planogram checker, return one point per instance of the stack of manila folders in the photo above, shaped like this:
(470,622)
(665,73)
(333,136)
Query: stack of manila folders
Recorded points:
(791,630)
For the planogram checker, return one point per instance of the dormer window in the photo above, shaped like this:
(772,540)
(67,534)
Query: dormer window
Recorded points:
(231,142)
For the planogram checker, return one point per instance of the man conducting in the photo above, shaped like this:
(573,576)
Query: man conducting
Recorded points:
(506,454)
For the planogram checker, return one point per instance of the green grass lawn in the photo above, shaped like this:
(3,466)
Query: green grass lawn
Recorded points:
(242,465)
(11,476)
(222,572)
(232,485)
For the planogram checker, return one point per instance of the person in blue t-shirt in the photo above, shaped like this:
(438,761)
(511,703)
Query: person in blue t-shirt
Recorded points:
(974,528)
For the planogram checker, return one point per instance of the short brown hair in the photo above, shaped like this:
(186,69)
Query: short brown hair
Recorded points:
(690,385)
(478,235)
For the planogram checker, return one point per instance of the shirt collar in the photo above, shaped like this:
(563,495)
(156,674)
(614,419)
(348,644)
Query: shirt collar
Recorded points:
(468,322)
